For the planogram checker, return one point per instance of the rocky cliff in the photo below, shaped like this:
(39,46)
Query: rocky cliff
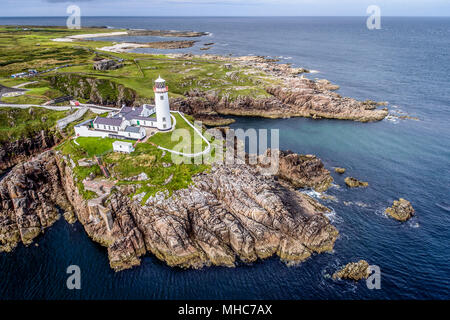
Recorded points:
(12,153)
(291,96)
(299,98)
(29,196)
(97,91)
(229,214)
(303,171)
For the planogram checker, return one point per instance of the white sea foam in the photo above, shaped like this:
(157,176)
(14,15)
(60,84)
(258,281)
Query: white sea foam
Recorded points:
(312,193)
(335,186)
(334,218)
(314,71)
(380,212)
(413,224)
(284,58)
(392,119)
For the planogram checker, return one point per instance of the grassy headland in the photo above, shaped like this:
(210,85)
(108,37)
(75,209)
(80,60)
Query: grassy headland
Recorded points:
(23,48)
(18,123)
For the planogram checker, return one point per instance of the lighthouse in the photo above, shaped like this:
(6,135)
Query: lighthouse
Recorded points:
(163,119)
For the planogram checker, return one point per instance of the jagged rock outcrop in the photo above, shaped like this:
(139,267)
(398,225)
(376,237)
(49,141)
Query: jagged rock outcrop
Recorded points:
(228,214)
(21,150)
(98,91)
(213,120)
(302,171)
(182,44)
(401,210)
(297,97)
(29,195)
(355,183)
(354,271)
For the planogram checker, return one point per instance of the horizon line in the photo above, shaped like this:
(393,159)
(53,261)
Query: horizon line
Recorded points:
(231,16)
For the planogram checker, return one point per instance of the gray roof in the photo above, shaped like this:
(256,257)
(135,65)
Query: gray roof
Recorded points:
(129,114)
(144,118)
(132,129)
(109,121)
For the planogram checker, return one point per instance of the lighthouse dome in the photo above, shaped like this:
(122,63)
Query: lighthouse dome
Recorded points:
(160,83)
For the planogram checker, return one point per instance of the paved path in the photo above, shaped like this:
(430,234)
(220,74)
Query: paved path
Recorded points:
(189,155)
(24,84)
(62,123)
(94,108)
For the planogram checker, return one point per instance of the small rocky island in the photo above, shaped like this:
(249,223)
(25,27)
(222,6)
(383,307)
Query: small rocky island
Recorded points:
(401,210)
(340,170)
(355,183)
(353,271)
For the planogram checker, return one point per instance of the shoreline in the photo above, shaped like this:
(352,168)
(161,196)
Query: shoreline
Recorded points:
(291,226)
(272,89)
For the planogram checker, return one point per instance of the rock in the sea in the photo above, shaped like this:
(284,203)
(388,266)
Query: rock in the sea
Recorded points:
(353,271)
(355,183)
(339,170)
(302,171)
(401,210)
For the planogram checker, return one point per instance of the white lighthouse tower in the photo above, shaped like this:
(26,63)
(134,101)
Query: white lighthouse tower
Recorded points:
(163,119)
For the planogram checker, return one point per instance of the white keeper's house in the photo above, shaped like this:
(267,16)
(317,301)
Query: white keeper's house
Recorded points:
(130,122)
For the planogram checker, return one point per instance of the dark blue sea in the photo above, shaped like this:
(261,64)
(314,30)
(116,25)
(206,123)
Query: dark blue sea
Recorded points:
(407,63)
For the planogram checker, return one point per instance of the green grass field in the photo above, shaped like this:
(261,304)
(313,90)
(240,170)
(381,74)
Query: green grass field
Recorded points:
(163,174)
(18,123)
(21,50)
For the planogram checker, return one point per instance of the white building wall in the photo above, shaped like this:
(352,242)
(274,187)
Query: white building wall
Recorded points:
(163,119)
(123,147)
(84,131)
(145,123)
(147,110)
(138,135)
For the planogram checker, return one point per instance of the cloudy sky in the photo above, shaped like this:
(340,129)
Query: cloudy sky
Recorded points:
(225,7)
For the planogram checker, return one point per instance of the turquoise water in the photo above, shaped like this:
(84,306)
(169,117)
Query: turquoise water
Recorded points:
(405,63)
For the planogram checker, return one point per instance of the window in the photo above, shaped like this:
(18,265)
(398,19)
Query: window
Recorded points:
(104,127)
(164,119)
(109,128)
(164,126)
(129,134)
(161,97)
